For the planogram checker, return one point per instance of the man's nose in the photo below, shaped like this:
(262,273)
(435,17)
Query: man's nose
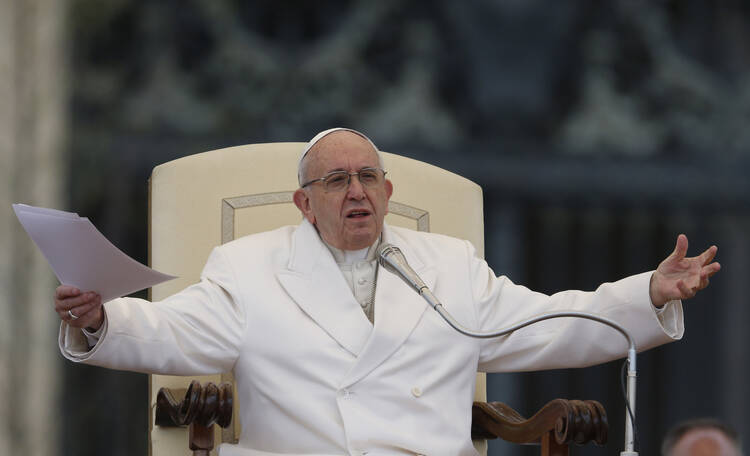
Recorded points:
(355,190)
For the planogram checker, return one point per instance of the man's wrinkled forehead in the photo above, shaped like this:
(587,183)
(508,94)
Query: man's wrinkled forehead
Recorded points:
(317,138)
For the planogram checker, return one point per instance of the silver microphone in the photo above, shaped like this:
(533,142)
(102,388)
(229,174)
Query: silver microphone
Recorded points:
(391,258)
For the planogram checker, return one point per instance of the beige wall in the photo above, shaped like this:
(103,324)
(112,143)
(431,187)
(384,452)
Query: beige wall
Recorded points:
(33,95)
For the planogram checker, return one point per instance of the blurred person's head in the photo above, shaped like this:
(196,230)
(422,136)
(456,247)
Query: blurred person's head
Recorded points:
(701,437)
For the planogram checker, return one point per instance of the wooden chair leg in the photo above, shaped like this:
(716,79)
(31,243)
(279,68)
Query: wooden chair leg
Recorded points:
(550,447)
(201,439)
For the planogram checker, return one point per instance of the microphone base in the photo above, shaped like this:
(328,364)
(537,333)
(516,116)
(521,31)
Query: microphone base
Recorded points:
(628,453)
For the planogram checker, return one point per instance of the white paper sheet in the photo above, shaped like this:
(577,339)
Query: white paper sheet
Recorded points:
(81,256)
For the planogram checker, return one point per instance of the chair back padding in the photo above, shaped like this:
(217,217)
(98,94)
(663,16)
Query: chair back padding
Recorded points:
(204,200)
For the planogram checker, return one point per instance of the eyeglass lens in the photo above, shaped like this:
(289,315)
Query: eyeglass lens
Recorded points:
(340,179)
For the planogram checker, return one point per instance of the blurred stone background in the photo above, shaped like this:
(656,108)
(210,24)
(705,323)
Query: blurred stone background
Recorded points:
(598,130)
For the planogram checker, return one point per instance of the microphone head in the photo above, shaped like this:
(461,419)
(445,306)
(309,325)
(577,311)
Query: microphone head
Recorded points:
(391,258)
(390,252)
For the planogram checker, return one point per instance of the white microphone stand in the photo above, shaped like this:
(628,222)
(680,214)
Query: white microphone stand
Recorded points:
(393,260)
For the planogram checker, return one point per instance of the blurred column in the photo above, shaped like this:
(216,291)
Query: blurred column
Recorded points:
(33,95)
(504,238)
(734,338)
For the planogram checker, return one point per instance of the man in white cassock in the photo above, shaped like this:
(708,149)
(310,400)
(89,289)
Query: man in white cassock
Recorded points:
(333,355)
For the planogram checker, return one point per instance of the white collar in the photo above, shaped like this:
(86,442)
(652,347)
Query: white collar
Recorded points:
(348,257)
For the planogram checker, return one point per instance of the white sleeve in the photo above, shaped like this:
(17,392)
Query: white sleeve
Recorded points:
(93,337)
(566,342)
(196,331)
(670,320)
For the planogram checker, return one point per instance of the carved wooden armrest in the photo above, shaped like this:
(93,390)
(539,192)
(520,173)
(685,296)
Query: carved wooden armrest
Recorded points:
(200,409)
(556,425)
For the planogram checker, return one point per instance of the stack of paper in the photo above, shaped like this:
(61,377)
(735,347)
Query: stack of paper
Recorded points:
(82,257)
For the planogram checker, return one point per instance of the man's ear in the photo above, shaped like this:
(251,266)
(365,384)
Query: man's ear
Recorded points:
(302,201)
(388,193)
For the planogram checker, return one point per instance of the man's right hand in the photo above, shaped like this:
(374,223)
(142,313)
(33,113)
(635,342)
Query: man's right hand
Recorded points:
(78,309)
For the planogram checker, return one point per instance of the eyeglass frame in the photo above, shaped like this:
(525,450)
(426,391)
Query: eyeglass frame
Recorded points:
(349,177)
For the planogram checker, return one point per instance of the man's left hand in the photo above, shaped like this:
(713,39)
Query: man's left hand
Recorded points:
(679,277)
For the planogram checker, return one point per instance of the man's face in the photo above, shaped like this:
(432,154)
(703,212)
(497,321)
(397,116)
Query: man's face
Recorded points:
(349,219)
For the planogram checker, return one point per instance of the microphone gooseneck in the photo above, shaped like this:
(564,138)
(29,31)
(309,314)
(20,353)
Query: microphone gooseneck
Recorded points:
(391,258)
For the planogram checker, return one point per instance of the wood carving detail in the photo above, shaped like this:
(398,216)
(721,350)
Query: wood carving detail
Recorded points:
(203,405)
(570,421)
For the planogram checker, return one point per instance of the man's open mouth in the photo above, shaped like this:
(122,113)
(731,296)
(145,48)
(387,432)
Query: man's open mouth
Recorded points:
(357,214)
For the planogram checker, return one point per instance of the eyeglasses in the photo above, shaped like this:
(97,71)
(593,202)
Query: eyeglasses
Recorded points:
(339,180)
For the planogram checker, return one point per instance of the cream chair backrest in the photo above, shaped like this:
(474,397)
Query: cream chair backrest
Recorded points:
(201,201)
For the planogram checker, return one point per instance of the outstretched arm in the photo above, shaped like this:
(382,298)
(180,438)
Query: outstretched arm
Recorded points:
(680,277)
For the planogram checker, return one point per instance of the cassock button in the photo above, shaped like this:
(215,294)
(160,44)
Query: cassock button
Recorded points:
(416,391)
(362,281)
